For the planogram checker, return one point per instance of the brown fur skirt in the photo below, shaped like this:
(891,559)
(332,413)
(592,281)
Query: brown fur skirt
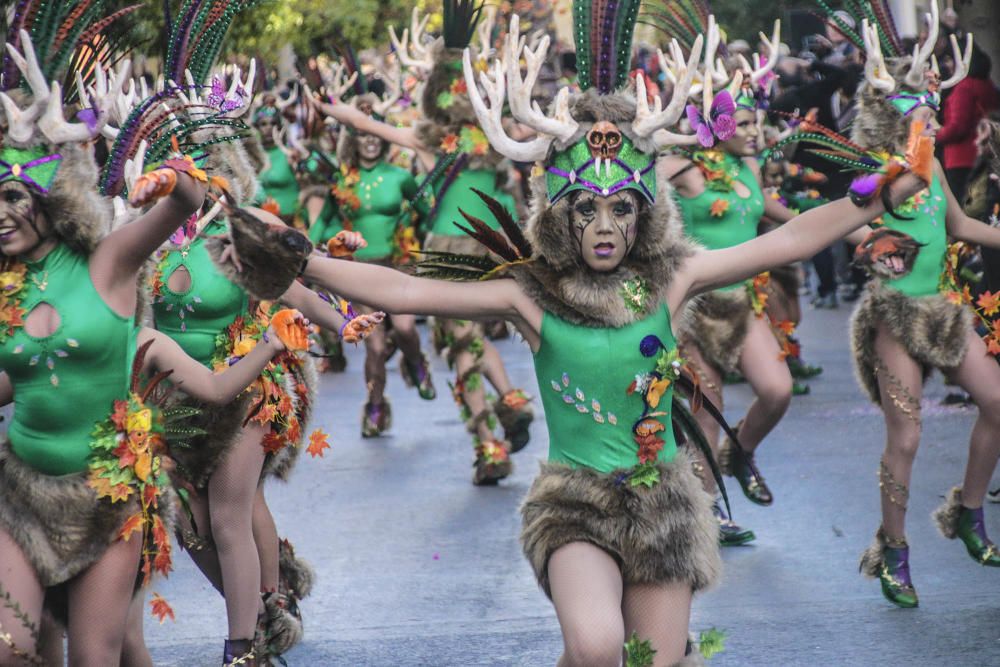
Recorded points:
(57,521)
(716,323)
(658,535)
(934,332)
(223,423)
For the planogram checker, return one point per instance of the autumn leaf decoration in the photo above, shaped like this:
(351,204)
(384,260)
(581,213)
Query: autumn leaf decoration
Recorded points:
(126,461)
(639,652)
(985,307)
(12,278)
(317,443)
(160,609)
(652,387)
(719,207)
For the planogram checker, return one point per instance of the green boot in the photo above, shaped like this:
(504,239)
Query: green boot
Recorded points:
(956,520)
(891,565)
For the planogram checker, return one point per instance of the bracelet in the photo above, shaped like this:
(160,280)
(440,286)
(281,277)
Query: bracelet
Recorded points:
(266,337)
(304,266)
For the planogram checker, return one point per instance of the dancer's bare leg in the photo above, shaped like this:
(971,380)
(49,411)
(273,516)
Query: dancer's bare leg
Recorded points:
(770,380)
(659,614)
(587,590)
(265,534)
(19,582)
(134,651)
(900,384)
(979,375)
(231,492)
(99,600)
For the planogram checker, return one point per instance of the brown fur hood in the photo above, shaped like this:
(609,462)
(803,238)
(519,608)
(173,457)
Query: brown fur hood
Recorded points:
(562,283)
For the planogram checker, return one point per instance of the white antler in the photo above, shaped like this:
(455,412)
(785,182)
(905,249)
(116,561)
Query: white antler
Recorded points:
(420,60)
(394,85)
(21,122)
(339,82)
(283,104)
(244,87)
(649,121)
(962,61)
(922,52)
(561,126)
(58,131)
(135,166)
(108,95)
(491,118)
(715,69)
(758,71)
(876,73)
(485,31)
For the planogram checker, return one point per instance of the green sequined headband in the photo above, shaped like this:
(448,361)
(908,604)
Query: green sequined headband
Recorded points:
(35,167)
(604,162)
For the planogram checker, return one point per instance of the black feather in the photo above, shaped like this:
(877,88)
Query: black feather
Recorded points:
(508,224)
(460,18)
(493,240)
(687,427)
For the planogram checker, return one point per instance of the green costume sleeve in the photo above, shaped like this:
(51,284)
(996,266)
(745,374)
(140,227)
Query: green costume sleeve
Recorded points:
(327,224)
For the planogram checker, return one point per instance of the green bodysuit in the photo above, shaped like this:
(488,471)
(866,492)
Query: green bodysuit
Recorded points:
(928,210)
(459,196)
(380,193)
(213,302)
(64,384)
(585,374)
(278,181)
(719,217)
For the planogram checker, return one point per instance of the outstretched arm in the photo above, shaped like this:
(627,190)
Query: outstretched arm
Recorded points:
(396,292)
(320,312)
(362,122)
(799,239)
(197,380)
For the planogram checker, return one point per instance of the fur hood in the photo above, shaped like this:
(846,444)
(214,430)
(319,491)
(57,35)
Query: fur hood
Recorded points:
(563,284)
(879,125)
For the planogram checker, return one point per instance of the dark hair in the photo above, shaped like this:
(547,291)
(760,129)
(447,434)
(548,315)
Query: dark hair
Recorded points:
(980,64)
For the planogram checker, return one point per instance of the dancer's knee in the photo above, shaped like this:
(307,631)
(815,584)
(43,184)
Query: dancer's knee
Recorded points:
(594,646)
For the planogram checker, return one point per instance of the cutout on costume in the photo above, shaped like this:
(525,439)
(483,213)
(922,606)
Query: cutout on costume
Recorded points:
(179,281)
(42,321)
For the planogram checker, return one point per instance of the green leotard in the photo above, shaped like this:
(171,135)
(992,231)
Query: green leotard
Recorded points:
(735,218)
(459,196)
(380,193)
(929,210)
(278,181)
(64,384)
(584,375)
(213,302)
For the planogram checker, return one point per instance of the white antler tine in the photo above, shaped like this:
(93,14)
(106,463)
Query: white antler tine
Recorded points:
(647,123)
(772,44)
(135,166)
(962,61)
(192,88)
(181,95)
(922,52)
(875,70)
(485,31)
(27,62)
(491,119)
(57,130)
(20,123)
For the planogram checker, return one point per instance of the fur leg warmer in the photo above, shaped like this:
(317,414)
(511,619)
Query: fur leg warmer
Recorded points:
(295,575)
(946,516)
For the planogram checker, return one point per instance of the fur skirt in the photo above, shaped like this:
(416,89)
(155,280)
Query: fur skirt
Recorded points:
(57,521)
(223,423)
(717,323)
(934,331)
(658,535)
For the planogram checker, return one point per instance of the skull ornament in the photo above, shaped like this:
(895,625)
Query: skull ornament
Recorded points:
(605,140)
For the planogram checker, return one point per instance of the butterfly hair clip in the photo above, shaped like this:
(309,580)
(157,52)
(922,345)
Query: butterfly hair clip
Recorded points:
(717,124)
(223,100)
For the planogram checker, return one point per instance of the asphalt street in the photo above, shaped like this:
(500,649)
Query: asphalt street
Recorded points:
(415,566)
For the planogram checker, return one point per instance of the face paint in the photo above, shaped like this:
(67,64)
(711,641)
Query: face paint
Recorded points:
(605,228)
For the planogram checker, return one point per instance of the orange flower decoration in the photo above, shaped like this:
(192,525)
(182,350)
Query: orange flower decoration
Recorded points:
(317,443)
(648,427)
(719,208)
(656,390)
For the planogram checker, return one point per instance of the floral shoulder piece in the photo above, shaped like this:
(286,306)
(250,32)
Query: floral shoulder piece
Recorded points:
(12,279)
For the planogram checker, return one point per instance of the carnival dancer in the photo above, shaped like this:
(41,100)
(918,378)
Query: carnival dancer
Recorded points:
(80,520)
(381,201)
(719,194)
(617,527)
(231,534)
(457,155)
(914,317)
(277,174)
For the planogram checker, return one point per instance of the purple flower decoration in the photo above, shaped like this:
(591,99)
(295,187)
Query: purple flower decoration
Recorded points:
(864,187)
(650,345)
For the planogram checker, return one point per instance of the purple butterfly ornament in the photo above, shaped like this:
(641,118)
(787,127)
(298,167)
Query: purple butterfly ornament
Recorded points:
(719,125)
(217,98)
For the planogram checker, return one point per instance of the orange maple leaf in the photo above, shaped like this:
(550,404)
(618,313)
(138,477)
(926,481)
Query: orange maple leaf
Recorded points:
(786,327)
(993,345)
(989,302)
(161,609)
(450,143)
(719,208)
(133,524)
(317,443)
(273,443)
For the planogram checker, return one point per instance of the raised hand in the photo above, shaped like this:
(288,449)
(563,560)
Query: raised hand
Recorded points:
(345,244)
(360,327)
